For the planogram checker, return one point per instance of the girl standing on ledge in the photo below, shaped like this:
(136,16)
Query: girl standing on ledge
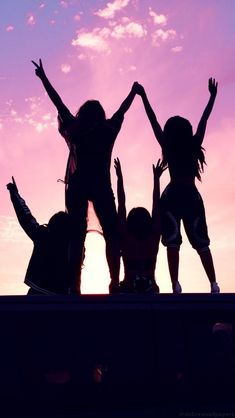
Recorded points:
(183,154)
(90,138)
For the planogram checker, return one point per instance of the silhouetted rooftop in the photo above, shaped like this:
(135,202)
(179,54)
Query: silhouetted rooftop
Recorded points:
(117,355)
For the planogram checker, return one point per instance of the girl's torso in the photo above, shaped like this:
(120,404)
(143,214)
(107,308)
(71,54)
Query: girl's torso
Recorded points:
(139,255)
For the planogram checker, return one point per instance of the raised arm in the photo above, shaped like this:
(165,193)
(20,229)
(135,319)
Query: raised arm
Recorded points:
(150,113)
(128,100)
(52,93)
(120,193)
(201,129)
(25,217)
(157,172)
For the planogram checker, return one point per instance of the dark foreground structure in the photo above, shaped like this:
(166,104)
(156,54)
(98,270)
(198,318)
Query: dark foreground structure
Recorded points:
(117,356)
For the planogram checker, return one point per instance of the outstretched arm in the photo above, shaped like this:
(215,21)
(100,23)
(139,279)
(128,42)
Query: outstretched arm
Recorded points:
(151,115)
(157,172)
(120,193)
(128,100)
(201,129)
(25,217)
(52,93)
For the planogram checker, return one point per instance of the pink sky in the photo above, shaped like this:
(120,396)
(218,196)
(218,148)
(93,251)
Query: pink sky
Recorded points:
(97,49)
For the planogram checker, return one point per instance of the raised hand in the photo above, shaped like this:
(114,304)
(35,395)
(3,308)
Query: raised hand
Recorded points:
(39,69)
(117,166)
(139,89)
(12,186)
(158,169)
(135,87)
(212,86)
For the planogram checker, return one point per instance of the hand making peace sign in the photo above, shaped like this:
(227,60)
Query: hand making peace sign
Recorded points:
(39,69)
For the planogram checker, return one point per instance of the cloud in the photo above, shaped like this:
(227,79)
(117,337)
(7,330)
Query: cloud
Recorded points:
(177,48)
(65,68)
(162,35)
(77,17)
(9,28)
(131,29)
(34,115)
(99,38)
(111,8)
(41,123)
(95,40)
(40,127)
(10,231)
(14,117)
(47,117)
(123,71)
(64,4)
(157,19)
(82,56)
(31,21)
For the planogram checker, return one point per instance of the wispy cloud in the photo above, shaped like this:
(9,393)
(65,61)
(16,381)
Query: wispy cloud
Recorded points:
(31,20)
(162,35)
(65,68)
(33,116)
(99,39)
(95,40)
(130,29)
(111,8)
(77,17)
(9,28)
(177,48)
(64,4)
(10,231)
(158,19)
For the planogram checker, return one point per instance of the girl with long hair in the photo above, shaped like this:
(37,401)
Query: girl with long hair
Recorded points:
(90,138)
(183,154)
(140,236)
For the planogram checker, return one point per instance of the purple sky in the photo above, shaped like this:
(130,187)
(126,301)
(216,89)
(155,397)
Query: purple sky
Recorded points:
(95,49)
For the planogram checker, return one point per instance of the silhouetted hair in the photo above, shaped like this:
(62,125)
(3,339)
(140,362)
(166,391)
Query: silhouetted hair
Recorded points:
(90,113)
(59,225)
(180,146)
(139,222)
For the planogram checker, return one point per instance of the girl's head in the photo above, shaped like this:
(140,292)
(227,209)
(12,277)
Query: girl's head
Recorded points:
(59,226)
(139,222)
(91,112)
(178,129)
(181,151)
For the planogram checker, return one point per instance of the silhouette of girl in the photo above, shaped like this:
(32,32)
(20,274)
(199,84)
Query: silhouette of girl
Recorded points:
(90,138)
(140,236)
(183,154)
(47,271)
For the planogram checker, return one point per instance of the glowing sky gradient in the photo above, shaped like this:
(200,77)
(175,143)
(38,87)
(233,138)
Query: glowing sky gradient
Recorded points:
(97,49)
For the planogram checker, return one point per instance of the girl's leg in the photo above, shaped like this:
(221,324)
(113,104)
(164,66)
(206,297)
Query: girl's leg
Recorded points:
(105,209)
(77,209)
(196,230)
(171,236)
(207,262)
(173,264)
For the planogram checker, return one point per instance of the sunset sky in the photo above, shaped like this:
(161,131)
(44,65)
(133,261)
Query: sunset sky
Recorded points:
(97,49)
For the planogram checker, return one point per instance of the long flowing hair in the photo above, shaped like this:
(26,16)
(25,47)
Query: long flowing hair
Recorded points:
(180,147)
(90,114)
